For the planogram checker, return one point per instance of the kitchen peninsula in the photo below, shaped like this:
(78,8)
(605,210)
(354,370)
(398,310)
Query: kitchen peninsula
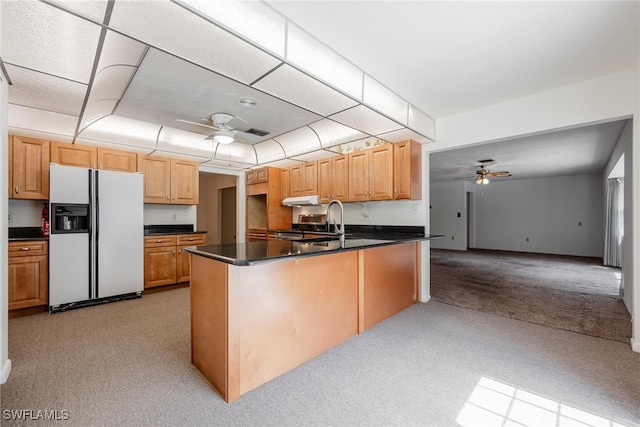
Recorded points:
(259,309)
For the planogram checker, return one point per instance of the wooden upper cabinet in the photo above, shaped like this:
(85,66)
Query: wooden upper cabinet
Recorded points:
(255,176)
(310,178)
(359,176)
(169,181)
(157,178)
(86,156)
(303,179)
(371,174)
(29,168)
(407,170)
(67,154)
(117,160)
(296,180)
(381,173)
(333,179)
(284,183)
(184,182)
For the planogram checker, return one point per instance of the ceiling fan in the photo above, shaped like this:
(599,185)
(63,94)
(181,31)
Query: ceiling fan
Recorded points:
(483,173)
(224,133)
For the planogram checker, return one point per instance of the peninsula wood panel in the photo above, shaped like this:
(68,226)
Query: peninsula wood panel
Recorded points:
(209,325)
(388,282)
(291,312)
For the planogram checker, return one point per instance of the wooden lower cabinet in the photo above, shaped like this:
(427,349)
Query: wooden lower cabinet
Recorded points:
(165,261)
(28,274)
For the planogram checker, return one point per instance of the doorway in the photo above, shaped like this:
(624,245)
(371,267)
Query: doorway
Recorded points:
(228,215)
(470,221)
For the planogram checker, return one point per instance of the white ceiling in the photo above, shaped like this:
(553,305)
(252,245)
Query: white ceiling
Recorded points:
(153,62)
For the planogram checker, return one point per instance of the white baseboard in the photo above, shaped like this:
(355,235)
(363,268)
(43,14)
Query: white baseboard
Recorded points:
(635,345)
(425,298)
(6,369)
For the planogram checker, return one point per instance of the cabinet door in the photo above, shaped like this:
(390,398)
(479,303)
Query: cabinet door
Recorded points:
(66,154)
(284,183)
(183,265)
(310,178)
(407,167)
(157,178)
(159,266)
(359,176)
(296,180)
(340,178)
(30,168)
(28,281)
(117,160)
(325,180)
(381,173)
(184,182)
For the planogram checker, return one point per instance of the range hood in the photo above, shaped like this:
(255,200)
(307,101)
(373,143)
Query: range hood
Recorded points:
(301,201)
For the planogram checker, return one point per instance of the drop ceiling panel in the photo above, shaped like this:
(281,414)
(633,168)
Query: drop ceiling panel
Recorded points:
(236,152)
(166,88)
(324,63)
(252,19)
(43,38)
(123,131)
(282,163)
(183,142)
(94,9)
(45,92)
(366,120)
(332,133)
(299,141)
(422,123)
(382,99)
(46,122)
(199,41)
(226,164)
(120,50)
(298,88)
(269,151)
(403,135)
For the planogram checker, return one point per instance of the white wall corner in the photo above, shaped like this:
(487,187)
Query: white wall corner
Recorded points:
(635,345)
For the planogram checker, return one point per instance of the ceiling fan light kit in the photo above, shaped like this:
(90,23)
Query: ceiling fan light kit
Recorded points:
(222,137)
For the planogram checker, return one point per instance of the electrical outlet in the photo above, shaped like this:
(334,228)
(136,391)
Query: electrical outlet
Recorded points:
(186,212)
(415,209)
(175,217)
(10,216)
(526,239)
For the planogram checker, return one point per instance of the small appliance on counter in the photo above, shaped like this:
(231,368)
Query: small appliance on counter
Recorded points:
(307,225)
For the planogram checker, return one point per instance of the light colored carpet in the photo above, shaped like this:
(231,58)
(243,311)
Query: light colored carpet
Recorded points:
(128,364)
(574,293)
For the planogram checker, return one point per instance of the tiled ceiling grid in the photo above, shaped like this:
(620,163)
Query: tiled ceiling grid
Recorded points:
(312,98)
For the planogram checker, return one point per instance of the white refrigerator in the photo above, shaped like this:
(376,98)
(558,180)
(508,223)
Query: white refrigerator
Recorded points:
(96,249)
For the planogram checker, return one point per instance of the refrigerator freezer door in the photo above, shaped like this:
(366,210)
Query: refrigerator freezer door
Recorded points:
(68,184)
(68,268)
(119,233)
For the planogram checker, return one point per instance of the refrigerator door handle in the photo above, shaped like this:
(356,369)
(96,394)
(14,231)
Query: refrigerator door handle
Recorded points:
(97,187)
(90,233)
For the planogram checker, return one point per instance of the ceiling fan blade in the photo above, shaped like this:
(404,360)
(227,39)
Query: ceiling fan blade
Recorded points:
(197,124)
(499,174)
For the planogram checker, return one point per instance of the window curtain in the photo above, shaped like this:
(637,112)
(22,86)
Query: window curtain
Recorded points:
(614,224)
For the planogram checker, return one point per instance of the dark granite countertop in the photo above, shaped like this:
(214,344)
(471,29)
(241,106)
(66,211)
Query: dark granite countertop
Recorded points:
(249,253)
(157,230)
(26,233)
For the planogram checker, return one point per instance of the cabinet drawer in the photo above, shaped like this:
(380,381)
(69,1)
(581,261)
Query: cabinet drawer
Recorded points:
(28,248)
(191,239)
(156,241)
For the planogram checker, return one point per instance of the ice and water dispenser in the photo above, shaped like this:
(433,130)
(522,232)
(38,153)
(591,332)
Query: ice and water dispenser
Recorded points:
(69,218)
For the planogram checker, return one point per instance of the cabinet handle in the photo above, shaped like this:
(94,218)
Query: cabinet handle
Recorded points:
(17,190)
(173,197)
(167,197)
(191,240)
(24,249)
(174,252)
(159,241)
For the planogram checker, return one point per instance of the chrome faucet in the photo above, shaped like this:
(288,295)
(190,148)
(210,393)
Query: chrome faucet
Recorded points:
(340,230)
